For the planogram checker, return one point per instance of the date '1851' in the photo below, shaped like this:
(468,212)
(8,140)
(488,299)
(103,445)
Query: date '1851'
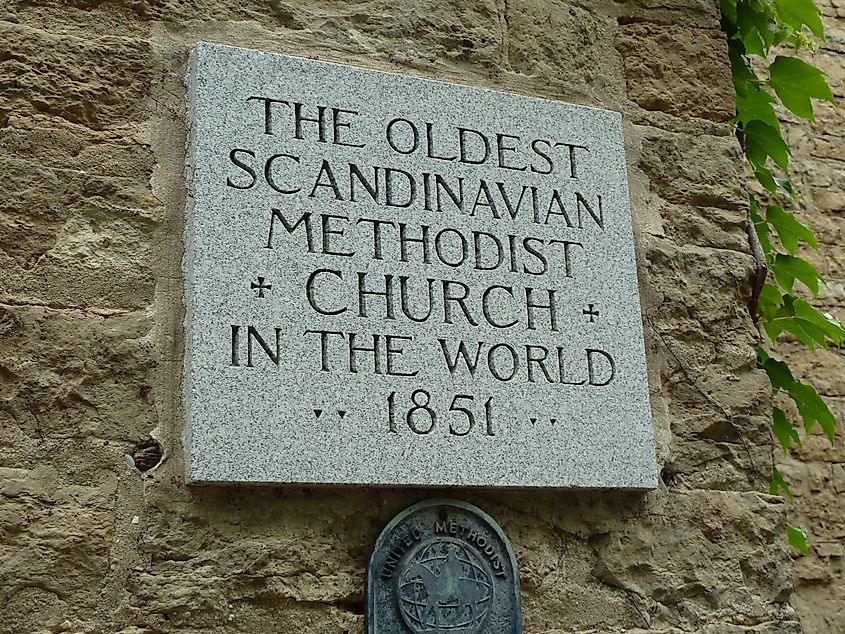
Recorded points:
(421,418)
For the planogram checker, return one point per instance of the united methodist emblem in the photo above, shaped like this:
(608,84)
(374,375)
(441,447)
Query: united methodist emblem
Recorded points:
(443,567)
(446,586)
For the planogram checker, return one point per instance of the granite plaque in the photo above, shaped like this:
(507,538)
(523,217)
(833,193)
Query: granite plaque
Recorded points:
(395,281)
(443,566)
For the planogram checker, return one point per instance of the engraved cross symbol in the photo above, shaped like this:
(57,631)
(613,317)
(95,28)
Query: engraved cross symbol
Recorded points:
(589,312)
(260,286)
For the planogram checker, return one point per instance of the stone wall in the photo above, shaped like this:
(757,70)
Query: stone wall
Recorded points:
(817,473)
(92,136)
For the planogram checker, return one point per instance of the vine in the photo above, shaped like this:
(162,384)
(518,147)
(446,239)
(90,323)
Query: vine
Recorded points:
(754,28)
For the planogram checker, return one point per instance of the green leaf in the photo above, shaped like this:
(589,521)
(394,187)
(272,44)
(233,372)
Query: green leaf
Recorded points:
(796,13)
(813,409)
(779,373)
(728,10)
(760,226)
(753,102)
(795,82)
(784,431)
(772,330)
(755,29)
(811,406)
(779,484)
(741,70)
(825,322)
(786,186)
(798,539)
(787,268)
(809,325)
(792,325)
(764,176)
(789,230)
(763,140)
(768,303)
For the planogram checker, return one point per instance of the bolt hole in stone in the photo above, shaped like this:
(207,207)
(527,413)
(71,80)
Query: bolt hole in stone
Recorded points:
(146,455)
(668,478)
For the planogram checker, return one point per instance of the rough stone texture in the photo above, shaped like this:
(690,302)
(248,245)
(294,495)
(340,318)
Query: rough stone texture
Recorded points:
(817,472)
(669,67)
(91,151)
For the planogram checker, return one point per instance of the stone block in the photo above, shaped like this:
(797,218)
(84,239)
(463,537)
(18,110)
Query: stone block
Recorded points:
(677,70)
(674,164)
(77,375)
(95,82)
(296,371)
